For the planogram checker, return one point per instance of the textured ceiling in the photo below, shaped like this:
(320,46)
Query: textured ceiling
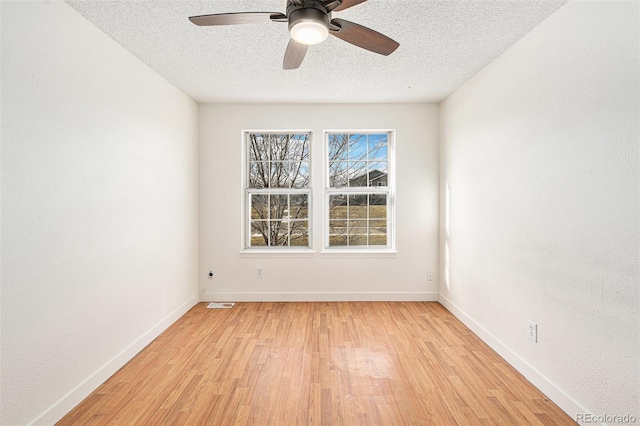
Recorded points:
(442,45)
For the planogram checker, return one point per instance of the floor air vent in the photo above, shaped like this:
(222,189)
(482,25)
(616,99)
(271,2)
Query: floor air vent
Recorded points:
(218,305)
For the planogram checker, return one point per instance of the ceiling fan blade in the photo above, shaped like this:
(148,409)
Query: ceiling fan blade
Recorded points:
(364,37)
(294,55)
(346,4)
(236,18)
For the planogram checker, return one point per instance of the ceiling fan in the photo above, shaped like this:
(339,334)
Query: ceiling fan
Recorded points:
(310,23)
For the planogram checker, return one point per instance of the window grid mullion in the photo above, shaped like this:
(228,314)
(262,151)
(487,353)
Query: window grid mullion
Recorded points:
(269,218)
(348,221)
(289,221)
(368,208)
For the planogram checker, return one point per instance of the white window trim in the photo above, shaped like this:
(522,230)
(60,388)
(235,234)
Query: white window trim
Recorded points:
(245,249)
(361,251)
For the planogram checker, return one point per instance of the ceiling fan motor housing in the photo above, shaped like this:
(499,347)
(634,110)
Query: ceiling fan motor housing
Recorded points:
(313,13)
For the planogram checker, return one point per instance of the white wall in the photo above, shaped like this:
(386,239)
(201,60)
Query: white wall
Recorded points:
(540,155)
(319,277)
(99,208)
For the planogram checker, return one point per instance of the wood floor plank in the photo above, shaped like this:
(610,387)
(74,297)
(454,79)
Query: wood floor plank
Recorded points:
(342,363)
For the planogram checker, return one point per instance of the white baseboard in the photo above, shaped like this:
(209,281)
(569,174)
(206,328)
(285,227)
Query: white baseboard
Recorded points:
(546,386)
(65,404)
(320,297)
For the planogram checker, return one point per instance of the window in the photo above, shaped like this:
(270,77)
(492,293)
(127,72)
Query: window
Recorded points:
(359,197)
(358,201)
(277,190)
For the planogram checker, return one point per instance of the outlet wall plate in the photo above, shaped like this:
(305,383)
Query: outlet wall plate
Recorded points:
(533,331)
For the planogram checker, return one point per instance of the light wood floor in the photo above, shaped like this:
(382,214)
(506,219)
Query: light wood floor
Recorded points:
(317,363)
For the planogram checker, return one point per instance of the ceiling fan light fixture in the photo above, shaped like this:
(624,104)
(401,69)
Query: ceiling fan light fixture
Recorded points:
(309,32)
(309,26)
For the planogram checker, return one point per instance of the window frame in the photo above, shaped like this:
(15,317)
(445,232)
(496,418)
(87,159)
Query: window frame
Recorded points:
(246,246)
(388,190)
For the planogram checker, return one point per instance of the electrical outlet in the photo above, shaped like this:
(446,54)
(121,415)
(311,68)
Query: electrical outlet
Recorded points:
(533,331)
(259,272)
(210,276)
(429,276)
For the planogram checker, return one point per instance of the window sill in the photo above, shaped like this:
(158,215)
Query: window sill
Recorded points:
(326,254)
(261,253)
(359,254)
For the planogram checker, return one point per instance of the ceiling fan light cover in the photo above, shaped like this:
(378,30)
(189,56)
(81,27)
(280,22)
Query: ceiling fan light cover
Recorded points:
(308,26)
(309,32)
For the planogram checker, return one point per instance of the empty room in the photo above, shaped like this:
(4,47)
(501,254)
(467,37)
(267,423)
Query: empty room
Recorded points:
(320,212)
